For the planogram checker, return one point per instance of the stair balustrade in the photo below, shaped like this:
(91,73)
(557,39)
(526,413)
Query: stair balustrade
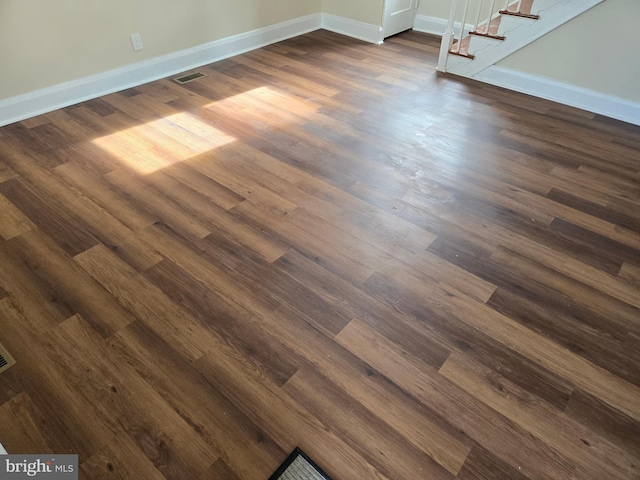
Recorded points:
(487,15)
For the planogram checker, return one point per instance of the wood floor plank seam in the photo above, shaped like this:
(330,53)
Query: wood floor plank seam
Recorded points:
(327,244)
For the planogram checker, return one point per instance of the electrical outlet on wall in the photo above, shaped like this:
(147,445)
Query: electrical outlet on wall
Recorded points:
(136,42)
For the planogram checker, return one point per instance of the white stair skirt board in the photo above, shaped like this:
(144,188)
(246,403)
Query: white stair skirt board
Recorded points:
(2,450)
(520,33)
(363,31)
(566,94)
(69,93)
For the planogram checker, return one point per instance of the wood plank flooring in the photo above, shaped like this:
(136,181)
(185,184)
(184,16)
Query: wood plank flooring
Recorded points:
(323,243)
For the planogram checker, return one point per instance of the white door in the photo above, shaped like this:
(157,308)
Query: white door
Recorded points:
(399,16)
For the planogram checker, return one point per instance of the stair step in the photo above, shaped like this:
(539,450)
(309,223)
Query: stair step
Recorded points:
(492,28)
(519,14)
(464,49)
(465,55)
(526,7)
(487,35)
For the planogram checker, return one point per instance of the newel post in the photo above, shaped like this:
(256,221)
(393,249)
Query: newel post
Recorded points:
(447,38)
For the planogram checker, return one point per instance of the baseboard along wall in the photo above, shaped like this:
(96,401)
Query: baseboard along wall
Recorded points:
(542,87)
(52,98)
(564,93)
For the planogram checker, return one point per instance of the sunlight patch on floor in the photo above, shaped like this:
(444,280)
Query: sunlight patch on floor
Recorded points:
(162,142)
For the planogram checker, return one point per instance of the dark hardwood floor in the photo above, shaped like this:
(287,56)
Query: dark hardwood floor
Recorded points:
(323,243)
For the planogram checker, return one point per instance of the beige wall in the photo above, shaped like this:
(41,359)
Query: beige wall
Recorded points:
(597,51)
(46,42)
(434,8)
(366,11)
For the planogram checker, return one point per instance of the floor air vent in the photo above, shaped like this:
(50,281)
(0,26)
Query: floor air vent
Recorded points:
(189,78)
(6,360)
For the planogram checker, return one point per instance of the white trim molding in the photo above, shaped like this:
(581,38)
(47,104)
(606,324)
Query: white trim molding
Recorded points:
(362,31)
(2,450)
(52,98)
(59,96)
(542,87)
(432,25)
(435,25)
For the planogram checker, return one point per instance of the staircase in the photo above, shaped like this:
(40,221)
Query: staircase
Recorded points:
(498,28)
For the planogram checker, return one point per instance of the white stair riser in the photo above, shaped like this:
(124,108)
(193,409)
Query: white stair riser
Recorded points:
(478,44)
(540,5)
(509,23)
(454,62)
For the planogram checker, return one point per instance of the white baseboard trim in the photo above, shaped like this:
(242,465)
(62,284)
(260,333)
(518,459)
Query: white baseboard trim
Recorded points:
(564,93)
(432,25)
(352,28)
(2,450)
(59,96)
(52,98)
(435,25)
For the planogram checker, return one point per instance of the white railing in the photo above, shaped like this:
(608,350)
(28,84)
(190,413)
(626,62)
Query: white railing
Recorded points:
(457,27)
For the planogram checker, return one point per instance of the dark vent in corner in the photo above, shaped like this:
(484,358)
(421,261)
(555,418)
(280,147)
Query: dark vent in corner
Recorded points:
(6,360)
(189,78)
